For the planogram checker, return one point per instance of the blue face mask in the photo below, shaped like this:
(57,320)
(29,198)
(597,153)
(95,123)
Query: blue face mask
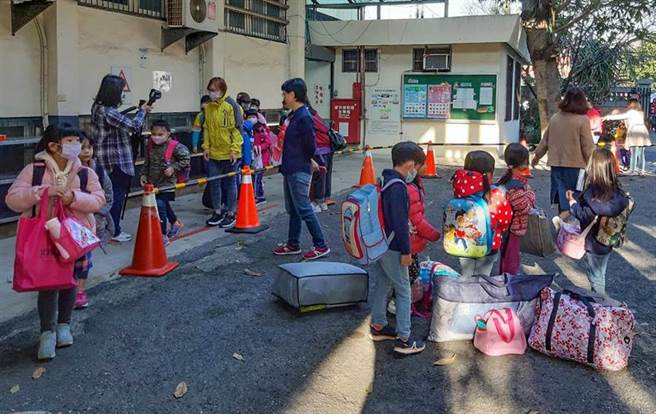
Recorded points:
(411,176)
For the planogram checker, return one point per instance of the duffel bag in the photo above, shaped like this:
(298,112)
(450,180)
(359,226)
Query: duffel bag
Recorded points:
(538,240)
(585,327)
(309,286)
(457,302)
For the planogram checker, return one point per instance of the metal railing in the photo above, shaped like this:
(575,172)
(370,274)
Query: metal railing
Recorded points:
(145,8)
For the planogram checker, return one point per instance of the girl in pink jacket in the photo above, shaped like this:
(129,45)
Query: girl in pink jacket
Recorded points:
(57,158)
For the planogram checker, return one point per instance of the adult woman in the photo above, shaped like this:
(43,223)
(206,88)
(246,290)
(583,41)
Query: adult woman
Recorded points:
(296,168)
(637,134)
(111,130)
(568,140)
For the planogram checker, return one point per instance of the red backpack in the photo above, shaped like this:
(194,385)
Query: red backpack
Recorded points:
(183,174)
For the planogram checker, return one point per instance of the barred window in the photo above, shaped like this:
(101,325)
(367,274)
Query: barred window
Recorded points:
(266,19)
(144,8)
(351,60)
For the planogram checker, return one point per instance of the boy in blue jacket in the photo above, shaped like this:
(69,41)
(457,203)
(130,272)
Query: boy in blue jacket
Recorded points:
(393,265)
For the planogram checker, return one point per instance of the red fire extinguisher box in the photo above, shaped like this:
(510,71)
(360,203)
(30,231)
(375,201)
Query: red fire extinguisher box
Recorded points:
(345,115)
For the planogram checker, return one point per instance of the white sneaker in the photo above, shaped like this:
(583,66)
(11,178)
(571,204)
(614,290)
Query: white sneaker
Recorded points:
(556,222)
(123,237)
(315,207)
(323,206)
(391,307)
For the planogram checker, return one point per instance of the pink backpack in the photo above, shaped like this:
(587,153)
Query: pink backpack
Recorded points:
(182,176)
(497,334)
(571,240)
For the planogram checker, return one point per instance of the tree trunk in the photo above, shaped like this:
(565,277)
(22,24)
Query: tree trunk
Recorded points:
(545,68)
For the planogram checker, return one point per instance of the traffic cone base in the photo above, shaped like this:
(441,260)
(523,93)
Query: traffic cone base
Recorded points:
(247,220)
(149,257)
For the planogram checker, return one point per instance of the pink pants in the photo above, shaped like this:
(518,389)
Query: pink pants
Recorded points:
(510,258)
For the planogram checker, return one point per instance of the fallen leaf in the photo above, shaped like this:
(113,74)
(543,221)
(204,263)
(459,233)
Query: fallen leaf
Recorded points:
(370,388)
(38,373)
(14,389)
(448,360)
(238,357)
(250,272)
(180,390)
(240,245)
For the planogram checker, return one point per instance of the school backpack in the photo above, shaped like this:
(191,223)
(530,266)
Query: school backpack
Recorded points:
(467,227)
(612,230)
(363,226)
(182,176)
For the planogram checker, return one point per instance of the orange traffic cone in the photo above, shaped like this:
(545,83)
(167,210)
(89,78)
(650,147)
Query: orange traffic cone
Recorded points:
(247,220)
(431,166)
(149,257)
(367,173)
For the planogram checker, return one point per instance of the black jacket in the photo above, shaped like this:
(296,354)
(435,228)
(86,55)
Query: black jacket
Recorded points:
(396,205)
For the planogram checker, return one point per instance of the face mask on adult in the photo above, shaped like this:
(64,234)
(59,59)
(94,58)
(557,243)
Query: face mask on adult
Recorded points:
(215,96)
(158,139)
(411,176)
(71,151)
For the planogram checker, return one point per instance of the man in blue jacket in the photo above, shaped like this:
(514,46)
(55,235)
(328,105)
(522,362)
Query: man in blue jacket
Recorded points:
(296,168)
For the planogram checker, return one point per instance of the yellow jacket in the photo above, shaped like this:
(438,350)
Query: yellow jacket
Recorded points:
(221,135)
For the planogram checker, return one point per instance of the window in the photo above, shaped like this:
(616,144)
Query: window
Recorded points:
(351,60)
(513,89)
(418,57)
(265,19)
(145,8)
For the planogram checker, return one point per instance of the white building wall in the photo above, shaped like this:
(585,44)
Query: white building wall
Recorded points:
(317,78)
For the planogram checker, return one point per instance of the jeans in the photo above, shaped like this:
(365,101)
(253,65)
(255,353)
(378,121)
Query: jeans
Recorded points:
(596,271)
(165,210)
(297,203)
(637,156)
(329,175)
(510,257)
(478,266)
(121,186)
(55,306)
(226,187)
(389,271)
(259,185)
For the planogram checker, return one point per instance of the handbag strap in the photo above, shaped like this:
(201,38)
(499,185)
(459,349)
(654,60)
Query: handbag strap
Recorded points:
(585,231)
(591,313)
(508,321)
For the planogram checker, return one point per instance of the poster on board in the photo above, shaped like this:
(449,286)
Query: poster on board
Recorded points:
(414,101)
(162,80)
(125,73)
(439,101)
(384,111)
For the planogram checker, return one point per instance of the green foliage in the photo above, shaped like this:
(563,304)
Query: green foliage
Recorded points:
(642,62)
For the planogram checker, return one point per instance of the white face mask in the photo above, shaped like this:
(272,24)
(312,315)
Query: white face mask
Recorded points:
(253,119)
(215,96)
(71,151)
(411,176)
(158,139)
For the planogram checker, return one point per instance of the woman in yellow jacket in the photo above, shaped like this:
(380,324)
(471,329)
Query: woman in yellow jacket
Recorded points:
(222,148)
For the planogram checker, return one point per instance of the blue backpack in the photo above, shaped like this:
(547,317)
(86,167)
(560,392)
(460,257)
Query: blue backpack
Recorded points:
(467,227)
(363,225)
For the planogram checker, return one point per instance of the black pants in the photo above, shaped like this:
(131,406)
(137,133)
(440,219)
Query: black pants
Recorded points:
(165,210)
(55,305)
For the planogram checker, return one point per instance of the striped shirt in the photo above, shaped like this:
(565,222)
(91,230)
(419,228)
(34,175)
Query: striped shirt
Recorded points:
(521,199)
(111,132)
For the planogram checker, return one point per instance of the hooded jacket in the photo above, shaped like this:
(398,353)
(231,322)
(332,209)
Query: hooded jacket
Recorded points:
(396,206)
(585,207)
(421,231)
(221,135)
(467,183)
(22,196)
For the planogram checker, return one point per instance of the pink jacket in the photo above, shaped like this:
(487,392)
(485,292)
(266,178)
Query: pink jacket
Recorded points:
(22,196)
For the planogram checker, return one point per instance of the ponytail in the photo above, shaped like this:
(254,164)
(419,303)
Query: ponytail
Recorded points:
(506,177)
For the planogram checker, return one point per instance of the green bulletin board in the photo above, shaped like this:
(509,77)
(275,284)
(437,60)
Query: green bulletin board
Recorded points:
(441,97)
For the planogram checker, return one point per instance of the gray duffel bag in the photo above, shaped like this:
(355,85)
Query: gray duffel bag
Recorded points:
(318,285)
(458,301)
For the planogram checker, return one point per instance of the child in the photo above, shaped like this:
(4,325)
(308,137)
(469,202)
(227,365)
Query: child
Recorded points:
(57,158)
(160,172)
(199,124)
(323,151)
(474,179)
(104,223)
(521,198)
(393,265)
(262,150)
(603,197)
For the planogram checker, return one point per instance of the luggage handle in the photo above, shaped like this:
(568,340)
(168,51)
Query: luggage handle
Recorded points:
(552,319)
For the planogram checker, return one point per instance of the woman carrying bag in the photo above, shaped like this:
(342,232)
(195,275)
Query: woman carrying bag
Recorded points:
(56,176)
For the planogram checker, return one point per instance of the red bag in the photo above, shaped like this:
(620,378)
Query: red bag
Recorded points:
(37,265)
(71,238)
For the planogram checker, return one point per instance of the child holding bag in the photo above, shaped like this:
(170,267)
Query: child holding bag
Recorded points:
(56,172)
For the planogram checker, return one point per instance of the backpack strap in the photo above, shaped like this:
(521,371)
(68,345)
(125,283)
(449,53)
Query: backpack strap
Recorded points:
(38,171)
(170,148)
(388,184)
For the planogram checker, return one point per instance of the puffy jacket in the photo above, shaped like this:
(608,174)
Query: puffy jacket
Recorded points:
(421,231)
(22,196)
(466,183)
(155,163)
(262,139)
(221,135)
(320,133)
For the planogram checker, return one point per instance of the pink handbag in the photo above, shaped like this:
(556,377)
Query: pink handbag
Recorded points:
(498,334)
(571,240)
(37,265)
(72,238)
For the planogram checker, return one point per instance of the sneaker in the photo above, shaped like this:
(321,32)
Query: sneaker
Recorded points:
(215,219)
(64,336)
(175,229)
(556,223)
(166,240)
(315,207)
(81,300)
(316,253)
(260,201)
(228,221)
(47,344)
(386,334)
(286,249)
(323,206)
(123,237)
(391,307)
(409,347)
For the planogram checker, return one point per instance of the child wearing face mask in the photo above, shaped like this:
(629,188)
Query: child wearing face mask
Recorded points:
(161,172)
(57,168)
(261,157)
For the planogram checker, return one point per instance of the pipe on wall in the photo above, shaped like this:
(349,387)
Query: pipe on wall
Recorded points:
(43,47)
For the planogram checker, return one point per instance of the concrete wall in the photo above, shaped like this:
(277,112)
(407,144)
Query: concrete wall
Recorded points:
(317,74)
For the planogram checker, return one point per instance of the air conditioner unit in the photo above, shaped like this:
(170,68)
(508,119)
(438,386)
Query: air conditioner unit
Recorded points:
(192,14)
(438,61)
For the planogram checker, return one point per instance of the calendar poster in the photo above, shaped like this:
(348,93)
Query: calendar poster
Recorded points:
(439,101)
(414,101)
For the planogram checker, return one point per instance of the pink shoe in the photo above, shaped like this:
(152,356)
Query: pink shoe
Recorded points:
(81,300)
(285,249)
(316,253)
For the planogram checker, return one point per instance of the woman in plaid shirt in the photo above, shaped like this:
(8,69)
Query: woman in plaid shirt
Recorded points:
(111,130)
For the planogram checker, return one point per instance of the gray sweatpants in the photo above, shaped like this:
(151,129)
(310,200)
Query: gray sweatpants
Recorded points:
(55,306)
